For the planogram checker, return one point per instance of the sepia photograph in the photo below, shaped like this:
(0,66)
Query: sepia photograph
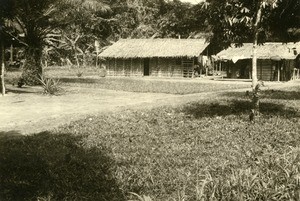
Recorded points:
(149,100)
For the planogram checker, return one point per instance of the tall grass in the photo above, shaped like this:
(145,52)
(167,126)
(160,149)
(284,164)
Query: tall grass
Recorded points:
(203,150)
(206,150)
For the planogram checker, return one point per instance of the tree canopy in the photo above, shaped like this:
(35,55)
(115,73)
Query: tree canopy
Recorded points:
(69,28)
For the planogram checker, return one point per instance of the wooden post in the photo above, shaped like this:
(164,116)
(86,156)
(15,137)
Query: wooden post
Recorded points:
(11,53)
(293,77)
(96,60)
(130,67)
(2,69)
(278,72)
(123,67)
(97,45)
(115,67)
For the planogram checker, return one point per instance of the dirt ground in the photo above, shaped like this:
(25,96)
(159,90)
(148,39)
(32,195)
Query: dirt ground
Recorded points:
(27,110)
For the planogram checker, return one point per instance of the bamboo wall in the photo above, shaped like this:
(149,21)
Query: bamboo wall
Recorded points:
(267,70)
(276,70)
(124,67)
(158,67)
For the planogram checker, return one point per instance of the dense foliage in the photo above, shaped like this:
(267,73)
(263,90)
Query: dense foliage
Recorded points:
(65,31)
(235,21)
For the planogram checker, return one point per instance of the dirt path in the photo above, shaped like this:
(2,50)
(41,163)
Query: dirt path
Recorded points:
(29,111)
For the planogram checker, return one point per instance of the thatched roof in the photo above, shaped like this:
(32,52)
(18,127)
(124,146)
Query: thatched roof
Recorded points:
(265,51)
(148,48)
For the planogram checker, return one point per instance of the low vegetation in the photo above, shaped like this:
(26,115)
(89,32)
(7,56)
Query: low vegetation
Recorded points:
(154,85)
(206,150)
(96,77)
(50,85)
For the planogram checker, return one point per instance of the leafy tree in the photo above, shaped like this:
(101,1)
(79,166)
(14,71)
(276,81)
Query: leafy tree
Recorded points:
(135,18)
(156,18)
(177,19)
(30,22)
(285,21)
(34,23)
(239,21)
(83,23)
(4,7)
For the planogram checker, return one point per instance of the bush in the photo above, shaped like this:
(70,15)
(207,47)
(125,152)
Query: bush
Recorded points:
(29,77)
(79,73)
(50,85)
(102,72)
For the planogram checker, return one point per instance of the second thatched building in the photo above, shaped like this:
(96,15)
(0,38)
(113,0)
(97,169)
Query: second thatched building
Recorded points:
(275,61)
(153,57)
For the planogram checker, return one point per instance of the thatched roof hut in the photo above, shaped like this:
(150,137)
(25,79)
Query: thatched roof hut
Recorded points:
(148,48)
(153,57)
(276,61)
(264,51)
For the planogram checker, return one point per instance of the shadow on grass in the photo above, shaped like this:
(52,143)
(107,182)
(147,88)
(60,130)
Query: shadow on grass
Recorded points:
(50,166)
(269,94)
(9,134)
(23,90)
(79,80)
(237,107)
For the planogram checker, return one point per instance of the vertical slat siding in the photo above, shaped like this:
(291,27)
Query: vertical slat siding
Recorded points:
(127,67)
(136,67)
(187,65)
(158,67)
(119,66)
(109,67)
(265,69)
(177,70)
(153,67)
(163,64)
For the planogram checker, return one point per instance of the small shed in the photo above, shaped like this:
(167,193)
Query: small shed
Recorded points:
(275,61)
(153,57)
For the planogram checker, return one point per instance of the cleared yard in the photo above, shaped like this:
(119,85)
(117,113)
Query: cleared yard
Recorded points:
(166,146)
(27,110)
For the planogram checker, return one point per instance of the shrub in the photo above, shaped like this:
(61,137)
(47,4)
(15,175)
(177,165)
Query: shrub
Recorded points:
(79,73)
(30,77)
(50,85)
(102,72)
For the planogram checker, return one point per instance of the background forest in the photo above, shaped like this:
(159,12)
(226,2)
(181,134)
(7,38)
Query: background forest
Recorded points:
(66,32)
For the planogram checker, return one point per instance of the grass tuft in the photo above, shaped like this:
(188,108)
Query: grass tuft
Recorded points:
(51,86)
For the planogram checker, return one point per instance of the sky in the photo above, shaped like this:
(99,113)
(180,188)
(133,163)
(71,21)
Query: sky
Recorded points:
(192,1)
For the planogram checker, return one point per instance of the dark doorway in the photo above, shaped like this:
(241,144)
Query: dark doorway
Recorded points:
(146,67)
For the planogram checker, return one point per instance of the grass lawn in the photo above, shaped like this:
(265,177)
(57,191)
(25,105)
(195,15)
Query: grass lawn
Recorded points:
(205,150)
(90,77)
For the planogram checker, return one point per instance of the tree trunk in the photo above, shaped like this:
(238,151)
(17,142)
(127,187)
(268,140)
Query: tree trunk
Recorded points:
(255,86)
(2,84)
(254,64)
(33,70)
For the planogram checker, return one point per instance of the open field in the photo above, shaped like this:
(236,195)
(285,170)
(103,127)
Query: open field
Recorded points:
(172,147)
(91,78)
